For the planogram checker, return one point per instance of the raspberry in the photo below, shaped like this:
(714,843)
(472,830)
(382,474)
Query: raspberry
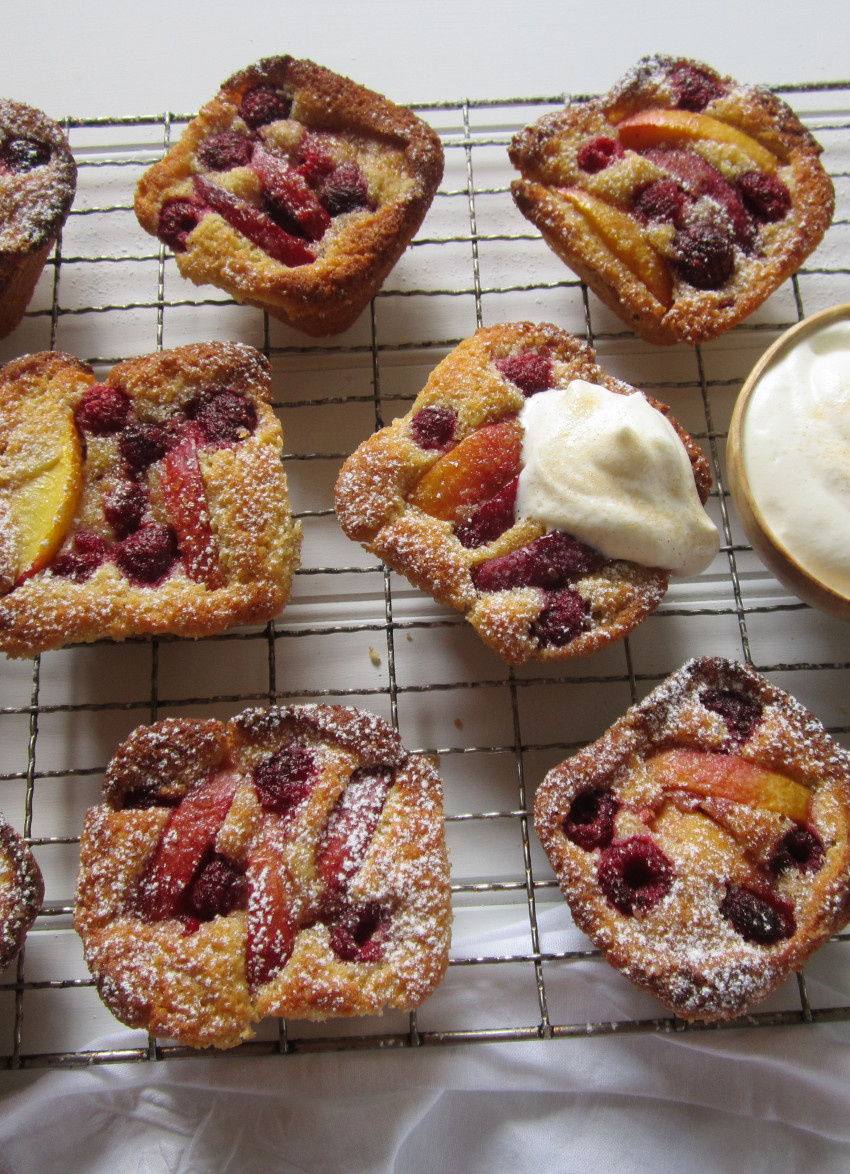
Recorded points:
(141,445)
(218,888)
(124,507)
(698,178)
(741,714)
(550,561)
(147,556)
(177,218)
(21,155)
(704,256)
(599,153)
(314,162)
(766,197)
(360,934)
(562,618)
(590,823)
(102,410)
(530,371)
(286,779)
(264,104)
(223,416)
(345,190)
(800,848)
(490,520)
(634,875)
(694,88)
(759,917)
(79,564)
(434,428)
(224,151)
(661,200)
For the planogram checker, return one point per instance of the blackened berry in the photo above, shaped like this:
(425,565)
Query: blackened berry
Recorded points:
(661,200)
(224,151)
(345,190)
(22,155)
(286,779)
(766,197)
(264,104)
(147,555)
(219,887)
(141,445)
(800,848)
(759,917)
(590,822)
(223,416)
(124,507)
(81,562)
(177,218)
(562,618)
(434,428)
(740,713)
(704,256)
(359,935)
(694,88)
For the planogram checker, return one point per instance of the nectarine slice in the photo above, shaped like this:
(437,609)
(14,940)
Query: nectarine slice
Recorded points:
(472,472)
(727,776)
(651,127)
(41,477)
(627,241)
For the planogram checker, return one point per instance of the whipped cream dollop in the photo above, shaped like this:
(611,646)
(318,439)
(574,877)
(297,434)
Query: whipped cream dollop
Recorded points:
(611,470)
(795,444)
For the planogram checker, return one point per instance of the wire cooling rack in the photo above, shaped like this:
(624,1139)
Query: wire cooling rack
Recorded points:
(355,633)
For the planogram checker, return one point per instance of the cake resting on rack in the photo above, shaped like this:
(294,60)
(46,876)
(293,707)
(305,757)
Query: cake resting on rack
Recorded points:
(38,179)
(21,891)
(532,491)
(295,190)
(289,863)
(681,197)
(153,502)
(703,843)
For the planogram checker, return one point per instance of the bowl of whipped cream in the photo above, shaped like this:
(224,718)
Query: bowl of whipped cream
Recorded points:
(788,457)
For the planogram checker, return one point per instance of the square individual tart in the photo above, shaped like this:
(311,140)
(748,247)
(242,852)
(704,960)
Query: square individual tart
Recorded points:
(527,488)
(38,180)
(295,190)
(682,198)
(291,862)
(154,502)
(702,842)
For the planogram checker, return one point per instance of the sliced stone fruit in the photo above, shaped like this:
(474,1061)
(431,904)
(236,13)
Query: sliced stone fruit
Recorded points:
(626,240)
(472,472)
(41,477)
(186,504)
(727,776)
(351,826)
(650,128)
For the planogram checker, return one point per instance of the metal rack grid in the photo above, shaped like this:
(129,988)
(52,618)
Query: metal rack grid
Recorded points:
(356,633)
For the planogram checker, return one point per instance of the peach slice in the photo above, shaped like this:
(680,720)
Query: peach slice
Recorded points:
(726,776)
(627,241)
(651,127)
(472,472)
(41,478)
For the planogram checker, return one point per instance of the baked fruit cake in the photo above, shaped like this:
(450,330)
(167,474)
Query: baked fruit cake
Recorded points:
(530,490)
(291,862)
(295,190)
(154,502)
(702,842)
(38,179)
(682,198)
(21,891)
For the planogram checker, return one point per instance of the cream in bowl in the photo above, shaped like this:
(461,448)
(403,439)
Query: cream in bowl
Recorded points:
(789,459)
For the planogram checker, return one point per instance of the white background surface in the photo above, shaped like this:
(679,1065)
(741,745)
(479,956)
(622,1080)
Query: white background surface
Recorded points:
(766,1101)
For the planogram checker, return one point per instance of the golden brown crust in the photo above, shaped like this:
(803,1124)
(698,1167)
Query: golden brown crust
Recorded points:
(241,483)
(653,295)
(191,979)
(375,484)
(684,948)
(35,198)
(400,156)
(21,891)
